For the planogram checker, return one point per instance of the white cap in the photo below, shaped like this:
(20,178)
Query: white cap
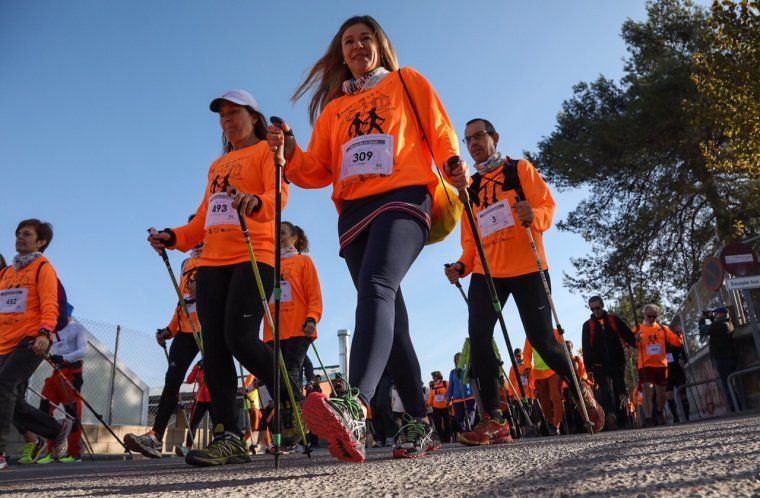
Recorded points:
(239,97)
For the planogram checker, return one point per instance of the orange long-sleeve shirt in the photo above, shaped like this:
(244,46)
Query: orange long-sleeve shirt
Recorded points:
(527,380)
(250,170)
(28,302)
(301,298)
(651,347)
(400,158)
(534,361)
(179,322)
(505,240)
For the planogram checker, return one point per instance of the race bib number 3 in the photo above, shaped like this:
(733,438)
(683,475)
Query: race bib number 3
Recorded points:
(367,155)
(654,349)
(220,211)
(13,300)
(494,218)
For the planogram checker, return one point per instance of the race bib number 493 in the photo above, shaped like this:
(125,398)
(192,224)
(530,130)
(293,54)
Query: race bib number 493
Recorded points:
(220,210)
(367,155)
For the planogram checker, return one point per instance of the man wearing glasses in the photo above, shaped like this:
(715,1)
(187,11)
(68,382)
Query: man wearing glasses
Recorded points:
(603,337)
(509,197)
(652,339)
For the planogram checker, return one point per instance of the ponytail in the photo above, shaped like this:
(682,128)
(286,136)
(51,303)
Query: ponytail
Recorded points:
(302,242)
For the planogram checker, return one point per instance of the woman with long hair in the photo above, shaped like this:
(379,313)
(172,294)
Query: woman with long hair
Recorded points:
(227,298)
(371,120)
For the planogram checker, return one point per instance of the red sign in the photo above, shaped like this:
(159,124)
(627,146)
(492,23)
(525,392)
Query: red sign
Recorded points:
(740,260)
(712,274)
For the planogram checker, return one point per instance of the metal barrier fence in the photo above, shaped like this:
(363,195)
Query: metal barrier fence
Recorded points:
(744,309)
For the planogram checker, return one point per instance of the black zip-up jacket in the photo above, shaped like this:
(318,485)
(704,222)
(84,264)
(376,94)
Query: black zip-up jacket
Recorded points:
(606,349)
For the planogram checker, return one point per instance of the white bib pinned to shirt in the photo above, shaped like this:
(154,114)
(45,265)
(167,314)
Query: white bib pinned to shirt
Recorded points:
(367,155)
(495,218)
(654,349)
(220,211)
(13,300)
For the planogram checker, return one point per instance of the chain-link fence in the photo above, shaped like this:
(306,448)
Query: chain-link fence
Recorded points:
(123,375)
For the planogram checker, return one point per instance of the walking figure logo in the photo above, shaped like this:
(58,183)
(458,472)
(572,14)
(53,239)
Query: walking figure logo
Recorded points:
(220,184)
(356,126)
(373,121)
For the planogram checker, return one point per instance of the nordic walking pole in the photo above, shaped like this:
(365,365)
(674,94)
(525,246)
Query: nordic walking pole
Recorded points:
(180,297)
(279,165)
(576,382)
(324,370)
(179,401)
(459,286)
(275,440)
(506,377)
(88,446)
(531,426)
(65,414)
(464,196)
(88,405)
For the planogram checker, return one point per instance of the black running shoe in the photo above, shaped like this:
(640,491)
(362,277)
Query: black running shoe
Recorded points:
(224,448)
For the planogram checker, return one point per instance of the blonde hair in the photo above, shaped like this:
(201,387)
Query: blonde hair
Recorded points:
(651,306)
(327,75)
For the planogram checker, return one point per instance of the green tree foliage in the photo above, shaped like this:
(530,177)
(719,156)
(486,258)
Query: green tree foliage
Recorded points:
(727,75)
(656,207)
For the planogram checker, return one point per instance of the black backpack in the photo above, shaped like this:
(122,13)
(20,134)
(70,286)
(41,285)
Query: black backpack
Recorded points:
(511,182)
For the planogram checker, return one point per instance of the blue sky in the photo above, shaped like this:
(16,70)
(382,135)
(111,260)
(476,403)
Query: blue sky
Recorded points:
(105,130)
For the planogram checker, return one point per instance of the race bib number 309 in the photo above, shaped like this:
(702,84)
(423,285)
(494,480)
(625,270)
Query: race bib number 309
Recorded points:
(367,155)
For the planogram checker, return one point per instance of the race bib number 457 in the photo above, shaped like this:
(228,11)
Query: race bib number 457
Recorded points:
(367,155)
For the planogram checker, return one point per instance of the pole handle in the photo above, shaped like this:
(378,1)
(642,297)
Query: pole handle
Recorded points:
(279,155)
(457,283)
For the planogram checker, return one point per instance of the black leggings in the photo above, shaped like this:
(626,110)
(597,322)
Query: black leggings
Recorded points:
(536,318)
(182,352)
(378,260)
(230,312)
(294,352)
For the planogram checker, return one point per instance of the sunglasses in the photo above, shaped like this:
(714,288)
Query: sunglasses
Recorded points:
(652,316)
(595,308)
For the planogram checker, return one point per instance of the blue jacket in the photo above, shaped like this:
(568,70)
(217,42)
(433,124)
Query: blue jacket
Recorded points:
(457,390)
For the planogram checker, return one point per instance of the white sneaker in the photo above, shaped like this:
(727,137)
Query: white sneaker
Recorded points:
(61,447)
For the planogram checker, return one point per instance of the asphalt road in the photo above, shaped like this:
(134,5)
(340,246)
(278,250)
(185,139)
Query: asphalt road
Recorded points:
(715,458)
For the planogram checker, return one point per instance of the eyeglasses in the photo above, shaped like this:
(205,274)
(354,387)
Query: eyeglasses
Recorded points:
(595,308)
(475,136)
